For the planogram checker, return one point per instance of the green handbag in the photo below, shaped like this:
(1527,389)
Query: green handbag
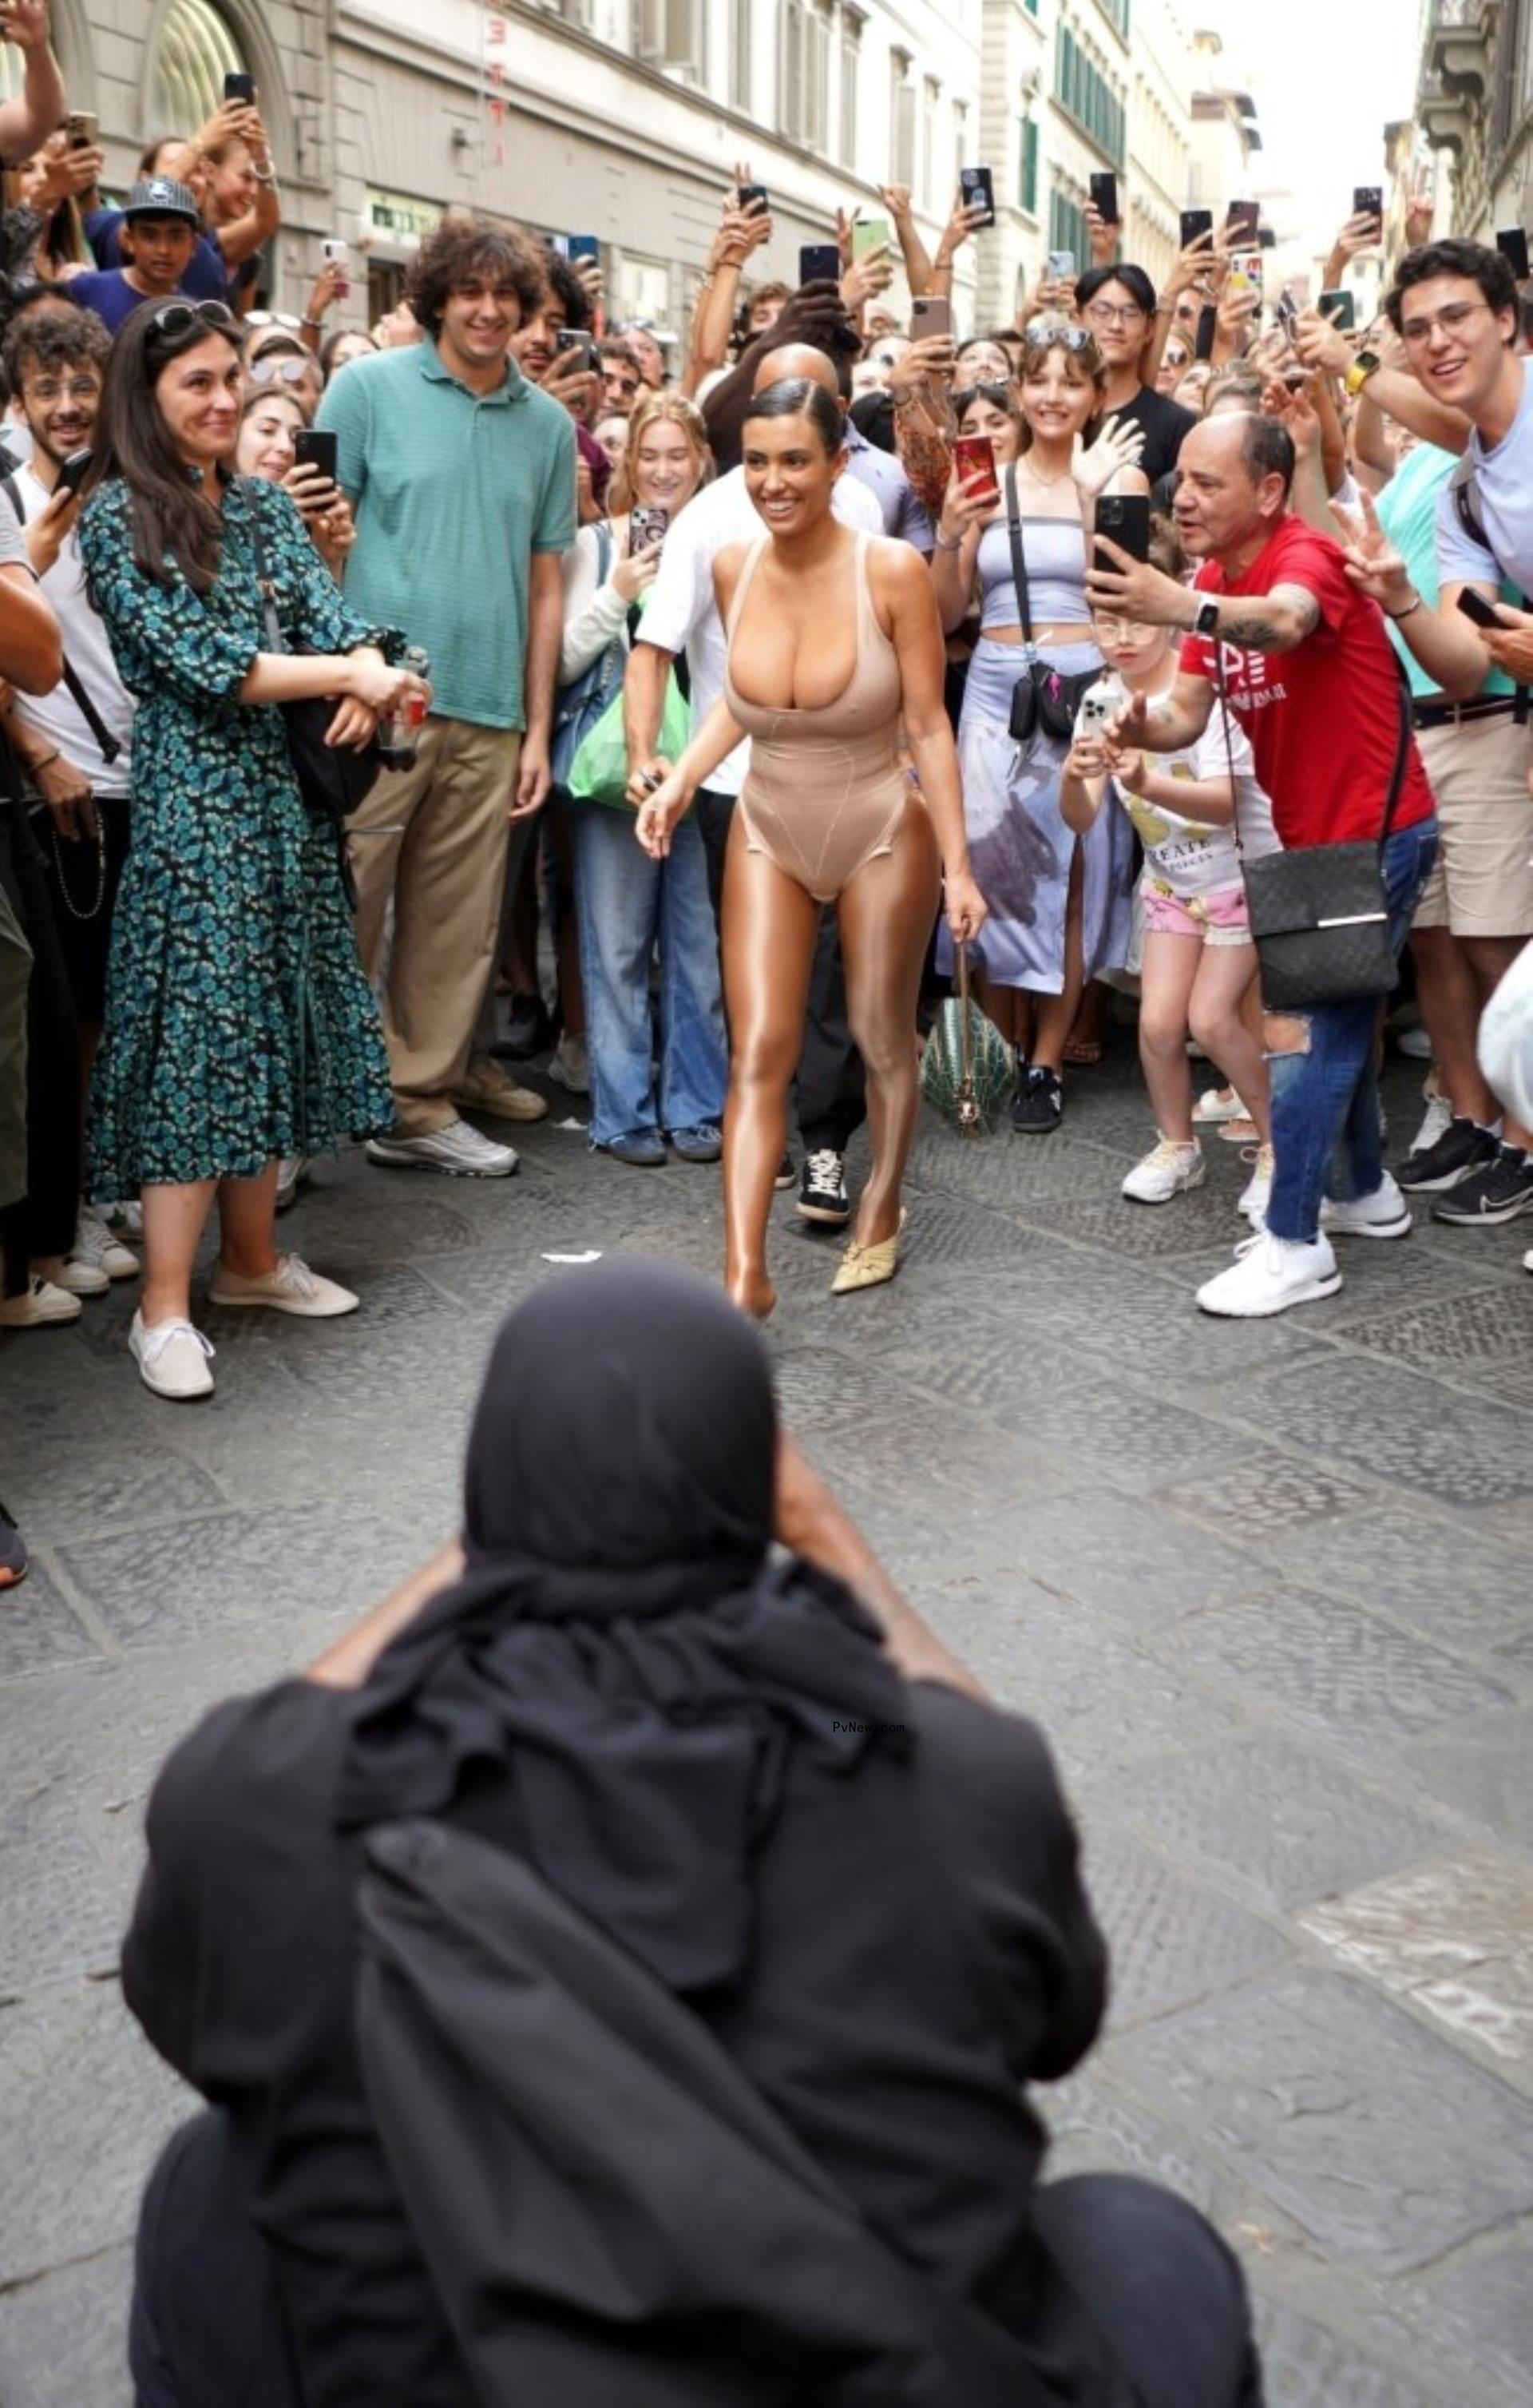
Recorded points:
(599,771)
(965,1070)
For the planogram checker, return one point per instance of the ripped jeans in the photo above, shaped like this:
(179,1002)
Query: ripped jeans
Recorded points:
(1325,1130)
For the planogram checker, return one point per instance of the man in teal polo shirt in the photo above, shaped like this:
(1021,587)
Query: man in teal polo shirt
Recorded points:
(462,478)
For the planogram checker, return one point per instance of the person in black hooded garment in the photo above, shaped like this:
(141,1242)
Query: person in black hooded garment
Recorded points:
(779,1797)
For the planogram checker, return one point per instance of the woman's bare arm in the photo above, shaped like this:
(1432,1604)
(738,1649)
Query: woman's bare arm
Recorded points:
(347,1664)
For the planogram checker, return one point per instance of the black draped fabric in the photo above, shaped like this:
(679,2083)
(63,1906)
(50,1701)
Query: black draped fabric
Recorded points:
(620,1644)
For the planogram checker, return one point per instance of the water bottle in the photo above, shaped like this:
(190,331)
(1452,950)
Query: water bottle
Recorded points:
(399,735)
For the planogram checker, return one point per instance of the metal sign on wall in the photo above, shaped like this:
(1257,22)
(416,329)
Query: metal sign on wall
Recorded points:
(398,217)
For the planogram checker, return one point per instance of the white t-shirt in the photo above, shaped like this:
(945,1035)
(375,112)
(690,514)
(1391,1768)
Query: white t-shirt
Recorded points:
(682,615)
(1185,858)
(1504,490)
(57,715)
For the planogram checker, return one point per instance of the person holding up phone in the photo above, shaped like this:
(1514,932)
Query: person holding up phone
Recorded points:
(745,224)
(273,430)
(28,120)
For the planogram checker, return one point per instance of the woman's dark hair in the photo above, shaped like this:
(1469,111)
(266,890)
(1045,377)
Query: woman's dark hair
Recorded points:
(461,251)
(333,342)
(171,518)
(1474,260)
(46,340)
(1133,280)
(801,397)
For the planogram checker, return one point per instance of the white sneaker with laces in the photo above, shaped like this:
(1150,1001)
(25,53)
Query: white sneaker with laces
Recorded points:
(38,1303)
(101,1248)
(1385,1214)
(1268,1275)
(291,1287)
(75,1279)
(1435,1120)
(458,1151)
(569,1065)
(1168,1169)
(173,1358)
(1257,1193)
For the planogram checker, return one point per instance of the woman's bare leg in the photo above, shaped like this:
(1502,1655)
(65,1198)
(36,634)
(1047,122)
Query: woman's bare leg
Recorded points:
(246,1214)
(1172,964)
(768,927)
(886,916)
(174,1218)
(1226,976)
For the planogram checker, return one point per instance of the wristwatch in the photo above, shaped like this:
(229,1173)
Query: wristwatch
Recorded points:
(1205,621)
(1360,371)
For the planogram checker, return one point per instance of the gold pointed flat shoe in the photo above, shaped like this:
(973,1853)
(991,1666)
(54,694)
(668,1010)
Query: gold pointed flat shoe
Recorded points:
(868,1266)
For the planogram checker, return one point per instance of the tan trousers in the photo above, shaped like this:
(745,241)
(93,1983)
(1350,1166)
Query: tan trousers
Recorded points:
(433,839)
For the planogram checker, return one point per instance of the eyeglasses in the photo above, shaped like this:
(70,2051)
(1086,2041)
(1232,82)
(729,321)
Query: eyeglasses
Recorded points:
(1115,313)
(49,389)
(179,317)
(282,371)
(1417,331)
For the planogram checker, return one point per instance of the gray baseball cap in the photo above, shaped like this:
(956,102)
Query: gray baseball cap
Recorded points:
(161,196)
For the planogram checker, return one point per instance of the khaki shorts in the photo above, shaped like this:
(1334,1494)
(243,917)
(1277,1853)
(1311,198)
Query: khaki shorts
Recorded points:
(1482,884)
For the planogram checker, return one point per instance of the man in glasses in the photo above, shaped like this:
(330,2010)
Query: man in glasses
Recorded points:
(1117,305)
(161,229)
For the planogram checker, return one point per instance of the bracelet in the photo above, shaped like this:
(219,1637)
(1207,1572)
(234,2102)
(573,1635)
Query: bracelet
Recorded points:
(312,324)
(1414,604)
(268,179)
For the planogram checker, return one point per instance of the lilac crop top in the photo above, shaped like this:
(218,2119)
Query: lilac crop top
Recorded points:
(1053,553)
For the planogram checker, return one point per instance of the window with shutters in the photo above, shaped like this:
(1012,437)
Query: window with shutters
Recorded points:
(1027,182)
(902,119)
(1067,229)
(739,55)
(670,34)
(804,83)
(1083,91)
(851,25)
(931,104)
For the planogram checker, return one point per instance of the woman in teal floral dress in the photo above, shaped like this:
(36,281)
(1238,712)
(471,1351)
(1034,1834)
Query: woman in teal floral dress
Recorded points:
(238,1025)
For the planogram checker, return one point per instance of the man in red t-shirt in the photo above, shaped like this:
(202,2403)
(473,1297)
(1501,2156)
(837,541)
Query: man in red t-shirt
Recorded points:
(1310,670)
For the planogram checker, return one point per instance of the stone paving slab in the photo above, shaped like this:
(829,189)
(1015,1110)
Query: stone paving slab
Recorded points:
(1265,1585)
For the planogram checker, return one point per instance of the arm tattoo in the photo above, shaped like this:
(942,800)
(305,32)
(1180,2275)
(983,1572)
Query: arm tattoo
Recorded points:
(1254,624)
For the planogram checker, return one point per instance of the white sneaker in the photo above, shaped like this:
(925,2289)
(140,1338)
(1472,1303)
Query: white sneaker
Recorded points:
(569,1065)
(1270,1274)
(291,1287)
(1214,1104)
(458,1151)
(488,1087)
(173,1358)
(1414,1044)
(1435,1123)
(38,1303)
(98,1246)
(75,1279)
(1257,1191)
(1385,1214)
(1168,1170)
(292,1171)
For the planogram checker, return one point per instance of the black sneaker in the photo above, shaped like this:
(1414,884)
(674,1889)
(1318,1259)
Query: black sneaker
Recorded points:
(786,1174)
(1463,1147)
(821,1195)
(12,1551)
(529,1030)
(1038,1103)
(1498,1193)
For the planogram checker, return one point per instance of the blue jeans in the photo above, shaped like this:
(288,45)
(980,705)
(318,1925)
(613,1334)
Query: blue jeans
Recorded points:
(628,905)
(1325,1130)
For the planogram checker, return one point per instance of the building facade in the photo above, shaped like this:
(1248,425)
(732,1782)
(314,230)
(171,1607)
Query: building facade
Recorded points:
(1474,104)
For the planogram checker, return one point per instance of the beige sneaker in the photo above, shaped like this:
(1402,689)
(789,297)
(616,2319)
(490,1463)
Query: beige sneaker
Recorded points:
(487,1088)
(291,1287)
(75,1277)
(173,1358)
(38,1303)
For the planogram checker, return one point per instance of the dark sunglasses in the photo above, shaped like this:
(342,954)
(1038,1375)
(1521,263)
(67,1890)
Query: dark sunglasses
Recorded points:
(178,317)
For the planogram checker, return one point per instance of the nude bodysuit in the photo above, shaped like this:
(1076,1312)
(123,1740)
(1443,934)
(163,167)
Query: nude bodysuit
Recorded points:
(826,789)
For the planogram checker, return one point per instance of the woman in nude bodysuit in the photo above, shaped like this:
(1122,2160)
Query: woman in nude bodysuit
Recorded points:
(834,647)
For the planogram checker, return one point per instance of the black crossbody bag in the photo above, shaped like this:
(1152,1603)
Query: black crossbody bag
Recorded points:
(1042,697)
(1320,912)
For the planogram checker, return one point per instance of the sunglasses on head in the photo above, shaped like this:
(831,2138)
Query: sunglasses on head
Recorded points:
(281,371)
(179,317)
(1056,333)
(273,318)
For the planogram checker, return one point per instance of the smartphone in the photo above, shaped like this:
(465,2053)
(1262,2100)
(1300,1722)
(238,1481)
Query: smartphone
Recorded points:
(1243,224)
(1104,197)
(869,234)
(73,471)
(1341,309)
(1246,272)
(1208,327)
(1125,518)
(316,447)
(647,524)
(754,198)
(568,339)
(1195,224)
(971,455)
(582,246)
(83,127)
(1474,605)
(1511,242)
(1367,201)
(978,191)
(1061,265)
(819,262)
(240,87)
(931,313)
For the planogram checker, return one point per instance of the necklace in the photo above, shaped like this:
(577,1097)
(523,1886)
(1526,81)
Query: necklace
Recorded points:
(1044,484)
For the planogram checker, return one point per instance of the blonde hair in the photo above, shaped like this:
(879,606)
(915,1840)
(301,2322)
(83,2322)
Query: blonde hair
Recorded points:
(674,409)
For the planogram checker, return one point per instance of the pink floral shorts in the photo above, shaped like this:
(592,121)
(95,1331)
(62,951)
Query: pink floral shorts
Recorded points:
(1219,919)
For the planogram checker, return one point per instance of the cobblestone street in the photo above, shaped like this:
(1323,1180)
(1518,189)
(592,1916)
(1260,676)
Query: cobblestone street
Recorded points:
(1266,1585)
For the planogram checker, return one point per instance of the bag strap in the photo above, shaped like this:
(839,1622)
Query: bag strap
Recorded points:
(265,579)
(1463,485)
(1018,565)
(105,742)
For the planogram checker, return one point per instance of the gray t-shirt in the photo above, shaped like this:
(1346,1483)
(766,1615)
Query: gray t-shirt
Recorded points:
(1504,491)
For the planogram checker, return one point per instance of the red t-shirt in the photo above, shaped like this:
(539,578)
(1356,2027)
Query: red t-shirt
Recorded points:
(1322,719)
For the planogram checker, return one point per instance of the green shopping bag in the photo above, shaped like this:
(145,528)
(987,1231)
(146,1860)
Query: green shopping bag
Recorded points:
(599,771)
